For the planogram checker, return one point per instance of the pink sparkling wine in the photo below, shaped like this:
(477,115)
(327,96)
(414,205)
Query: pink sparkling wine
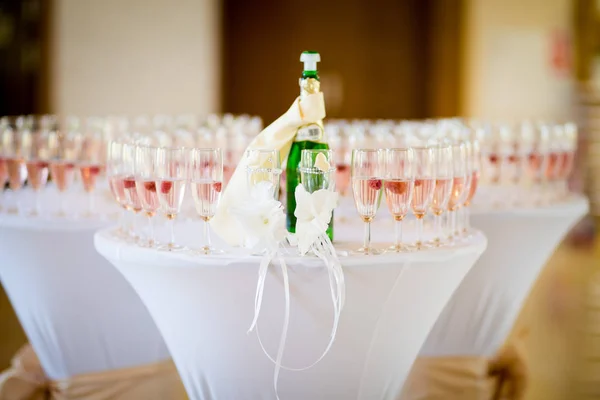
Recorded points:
(398,193)
(17,173)
(3,173)
(367,196)
(458,189)
(115,183)
(62,174)
(491,166)
(342,178)
(441,195)
(552,166)
(170,195)
(473,187)
(206,194)
(37,174)
(535,163)
(89,175)
(131,195)
(567,159)
(422,196)
(148,195)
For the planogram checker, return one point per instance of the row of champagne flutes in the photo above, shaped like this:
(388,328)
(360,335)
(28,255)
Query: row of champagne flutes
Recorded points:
(150,180)
(527,163)
(438,179)
(35,149)
(517,159)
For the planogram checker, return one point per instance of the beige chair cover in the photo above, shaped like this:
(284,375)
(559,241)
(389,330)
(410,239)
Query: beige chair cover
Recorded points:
(469,378)
(26,380)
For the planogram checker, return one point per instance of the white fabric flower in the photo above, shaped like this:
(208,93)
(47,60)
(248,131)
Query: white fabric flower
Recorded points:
(261,218)
(313,213)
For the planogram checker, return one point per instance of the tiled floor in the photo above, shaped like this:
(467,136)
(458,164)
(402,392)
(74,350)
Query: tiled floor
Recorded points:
(553,316)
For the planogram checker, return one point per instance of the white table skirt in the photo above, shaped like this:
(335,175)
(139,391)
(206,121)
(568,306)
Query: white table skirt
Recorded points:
(78,312)
(204,305)
(482,311)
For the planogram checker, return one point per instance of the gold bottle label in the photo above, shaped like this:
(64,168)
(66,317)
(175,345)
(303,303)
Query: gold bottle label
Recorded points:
(311,132)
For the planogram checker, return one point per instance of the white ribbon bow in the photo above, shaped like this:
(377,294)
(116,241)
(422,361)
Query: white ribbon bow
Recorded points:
(262,221)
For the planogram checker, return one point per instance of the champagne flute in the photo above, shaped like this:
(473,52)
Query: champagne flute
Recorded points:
(263,165)
(115,173)
(206,180)
(398,187)
(366,186)
(92,161)
(317,172)
(537,161)
(443,188)
(129,188)
(4,127)
(145,185)
(15,163)
(171,174)
(475,166)
(460,184)
(64,149)
(36,157)
(424,187)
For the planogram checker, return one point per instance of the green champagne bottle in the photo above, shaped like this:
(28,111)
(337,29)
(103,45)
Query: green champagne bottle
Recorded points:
(311,136)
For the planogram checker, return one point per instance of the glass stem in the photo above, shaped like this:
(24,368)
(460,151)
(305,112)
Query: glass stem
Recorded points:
(419,231)
(150,232)
(398,227)
(367,237)
(467,219)
(134,228)
(90,203)
(121,222)
(38,203)
(62,205)
(172,229)
(207,235)
(437,221)
(453,222)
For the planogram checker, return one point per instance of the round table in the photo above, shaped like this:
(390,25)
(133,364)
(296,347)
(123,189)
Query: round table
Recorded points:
(78,312)
(203,306)
(479,316)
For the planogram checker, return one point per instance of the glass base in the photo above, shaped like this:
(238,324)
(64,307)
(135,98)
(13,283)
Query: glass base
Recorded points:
(149,244)
(399,248)
(89,214)
(420,246)
(367,251)
(171,247)
(206,250)
(437,242)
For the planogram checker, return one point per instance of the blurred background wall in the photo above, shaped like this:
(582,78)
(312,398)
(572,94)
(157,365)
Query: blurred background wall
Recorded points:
(518,59)
(135,56)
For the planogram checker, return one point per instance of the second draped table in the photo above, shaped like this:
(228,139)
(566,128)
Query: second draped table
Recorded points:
(79,314)
(478,318)
(203,306)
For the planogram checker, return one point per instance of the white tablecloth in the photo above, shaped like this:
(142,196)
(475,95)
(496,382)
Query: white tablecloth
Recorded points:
(78,312)
(203,306)
(482,311)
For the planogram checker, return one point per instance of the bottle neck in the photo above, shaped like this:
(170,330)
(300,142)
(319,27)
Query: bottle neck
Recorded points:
(311,74)
(309,86)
